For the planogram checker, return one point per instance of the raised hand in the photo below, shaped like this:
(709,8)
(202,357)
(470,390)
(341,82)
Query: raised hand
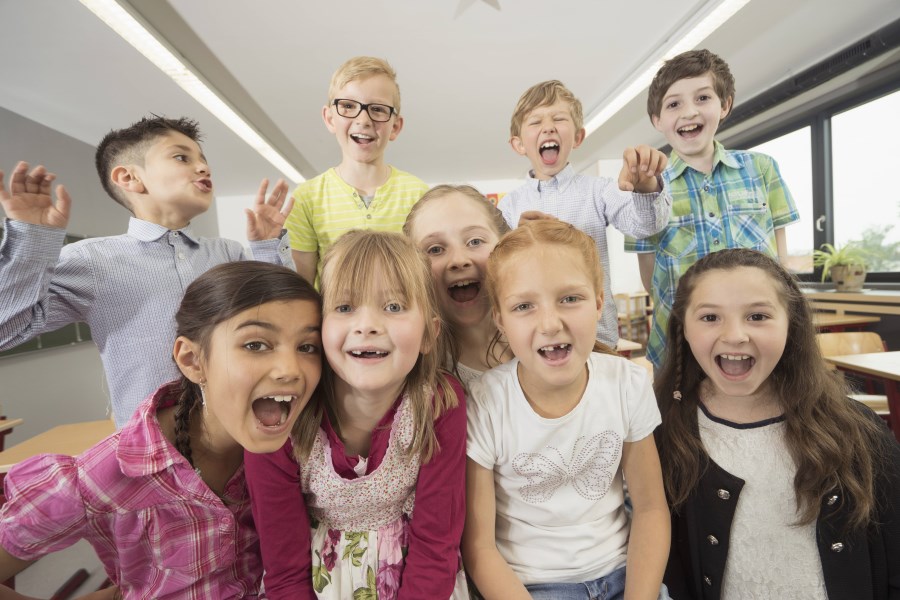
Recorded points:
(28,199)
(266,218)
(640,167)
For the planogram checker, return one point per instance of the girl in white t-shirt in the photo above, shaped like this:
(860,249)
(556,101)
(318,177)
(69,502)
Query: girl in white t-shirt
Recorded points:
(457,227)
(551,434)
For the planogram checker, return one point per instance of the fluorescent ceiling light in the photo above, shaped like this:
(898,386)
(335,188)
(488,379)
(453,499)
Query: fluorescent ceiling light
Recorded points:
(701,27)
(153,46)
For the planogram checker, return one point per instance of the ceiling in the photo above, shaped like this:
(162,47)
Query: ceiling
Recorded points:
(461,64)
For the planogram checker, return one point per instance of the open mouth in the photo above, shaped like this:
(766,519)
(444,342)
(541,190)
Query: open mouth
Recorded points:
(204,185)
(690,131)
(735,365)
(362,138)
(464,291)
(549,152)
(272,411)
(555,352)
(368,354)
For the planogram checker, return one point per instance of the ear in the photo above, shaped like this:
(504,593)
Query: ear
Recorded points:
(498,321)
(435,331)
(328,117)
(126,177)
(726,108)
(579,137)
(187,356)
(599,304)
(396,127)
(655,120)
(517,145)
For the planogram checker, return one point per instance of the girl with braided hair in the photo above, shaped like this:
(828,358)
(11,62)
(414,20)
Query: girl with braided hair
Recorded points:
(163,501)
(780,485)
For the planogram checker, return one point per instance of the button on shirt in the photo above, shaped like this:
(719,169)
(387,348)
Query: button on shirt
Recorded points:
(127,288)
(158,529)
(590,204)
(739,204)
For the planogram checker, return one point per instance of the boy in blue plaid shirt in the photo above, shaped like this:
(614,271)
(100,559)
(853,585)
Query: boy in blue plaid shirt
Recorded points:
(720,198)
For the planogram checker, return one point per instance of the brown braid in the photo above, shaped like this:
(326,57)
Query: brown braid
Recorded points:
(187,403)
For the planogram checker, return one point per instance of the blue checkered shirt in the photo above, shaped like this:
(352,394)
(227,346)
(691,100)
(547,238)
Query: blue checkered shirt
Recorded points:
(127,288)
(590,204)
(739,204)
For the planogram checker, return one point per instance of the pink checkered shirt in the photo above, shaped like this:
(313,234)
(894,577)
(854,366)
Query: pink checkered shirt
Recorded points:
(158,529)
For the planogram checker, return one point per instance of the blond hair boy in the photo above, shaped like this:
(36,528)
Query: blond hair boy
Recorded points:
(363,191)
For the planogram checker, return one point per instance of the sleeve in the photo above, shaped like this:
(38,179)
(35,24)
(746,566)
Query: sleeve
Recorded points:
(279,511)
(889,505)
(510,215)
(781,202)
(300,222)
(276,252)
(42,286)
(643,412)
(440,511)
(481,443)
(636,215)
(644,245)
(44,510)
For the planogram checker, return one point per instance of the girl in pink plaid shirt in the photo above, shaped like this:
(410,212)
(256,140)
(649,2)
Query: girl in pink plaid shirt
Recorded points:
(164,501)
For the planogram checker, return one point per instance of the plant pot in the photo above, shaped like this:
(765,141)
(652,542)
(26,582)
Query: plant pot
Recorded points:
(848,278)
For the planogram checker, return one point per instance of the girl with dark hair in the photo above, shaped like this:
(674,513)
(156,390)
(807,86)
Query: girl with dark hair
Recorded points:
(780,485)
(163,501)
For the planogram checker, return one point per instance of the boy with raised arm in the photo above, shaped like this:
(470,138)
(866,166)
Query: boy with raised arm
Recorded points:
(126,287)
(546,126)
(363,191)
(720,198)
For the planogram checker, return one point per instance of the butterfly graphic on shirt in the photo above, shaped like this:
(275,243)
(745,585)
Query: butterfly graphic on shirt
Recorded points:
(589,468)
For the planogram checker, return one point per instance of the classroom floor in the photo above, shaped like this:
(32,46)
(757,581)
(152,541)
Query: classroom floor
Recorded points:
(43,578)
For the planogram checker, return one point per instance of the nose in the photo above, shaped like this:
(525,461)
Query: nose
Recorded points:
(734,332)
(286,366)
(548,125)
(459,258)
(550,322)
(203,168)
(369,321)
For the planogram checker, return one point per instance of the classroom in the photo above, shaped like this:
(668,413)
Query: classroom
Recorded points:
(818,89)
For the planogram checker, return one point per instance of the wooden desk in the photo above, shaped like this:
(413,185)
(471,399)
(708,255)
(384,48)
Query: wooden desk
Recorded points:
(873,302)
(882,365)
(828,321)
(626,347)
(71,440)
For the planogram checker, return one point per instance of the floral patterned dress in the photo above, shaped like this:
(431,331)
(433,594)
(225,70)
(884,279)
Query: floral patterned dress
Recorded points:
(360,527)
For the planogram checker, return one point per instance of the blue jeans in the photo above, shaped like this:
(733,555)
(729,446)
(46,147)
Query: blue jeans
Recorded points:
(611,587)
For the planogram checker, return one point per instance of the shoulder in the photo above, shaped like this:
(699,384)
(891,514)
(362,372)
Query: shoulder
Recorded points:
(608,366)
(404,178)
(316,184)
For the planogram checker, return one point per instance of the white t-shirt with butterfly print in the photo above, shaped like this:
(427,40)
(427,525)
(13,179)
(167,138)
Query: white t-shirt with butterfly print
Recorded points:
(558,482)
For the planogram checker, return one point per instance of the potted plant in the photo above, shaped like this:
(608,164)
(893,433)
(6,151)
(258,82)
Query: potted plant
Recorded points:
(846,264)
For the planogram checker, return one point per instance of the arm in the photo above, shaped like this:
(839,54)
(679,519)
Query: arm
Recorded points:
(648,542)
(646,262)
(10,566)
(437,523)
(641,205)
(282,522)
(306,263)
(265,225)
(781,244)
(492,575)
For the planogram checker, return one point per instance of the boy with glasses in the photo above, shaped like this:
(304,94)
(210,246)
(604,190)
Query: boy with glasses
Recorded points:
(362,192)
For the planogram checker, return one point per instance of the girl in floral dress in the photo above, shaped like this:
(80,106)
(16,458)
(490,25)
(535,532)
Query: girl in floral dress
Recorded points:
(373,479)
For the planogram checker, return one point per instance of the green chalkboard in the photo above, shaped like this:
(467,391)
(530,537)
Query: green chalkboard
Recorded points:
(70,334)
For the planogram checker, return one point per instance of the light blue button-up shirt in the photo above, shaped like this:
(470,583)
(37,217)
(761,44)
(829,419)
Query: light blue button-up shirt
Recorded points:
(127,288)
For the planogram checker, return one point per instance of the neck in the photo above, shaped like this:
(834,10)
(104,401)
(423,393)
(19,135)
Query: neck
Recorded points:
(703,163)
(474,343)
(364,177)
(169,220)
(358,413)
(552,401)
(759,406)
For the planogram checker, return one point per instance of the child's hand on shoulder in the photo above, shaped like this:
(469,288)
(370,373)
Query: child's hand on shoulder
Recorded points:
(29,200)
(640,167)
(266,218)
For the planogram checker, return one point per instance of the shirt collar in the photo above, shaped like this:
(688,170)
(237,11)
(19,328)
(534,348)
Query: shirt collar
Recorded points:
(143,449)
(147,231)
(561,179)
(720,155)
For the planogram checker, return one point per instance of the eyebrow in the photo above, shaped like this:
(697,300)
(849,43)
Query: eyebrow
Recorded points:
(272,327)
(187,149)
(705,88)
(437,235)
(752,305)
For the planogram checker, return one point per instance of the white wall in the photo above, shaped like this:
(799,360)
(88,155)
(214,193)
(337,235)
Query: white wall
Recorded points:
(61,385)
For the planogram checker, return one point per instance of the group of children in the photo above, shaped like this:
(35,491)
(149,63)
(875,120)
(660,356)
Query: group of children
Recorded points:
(468,431)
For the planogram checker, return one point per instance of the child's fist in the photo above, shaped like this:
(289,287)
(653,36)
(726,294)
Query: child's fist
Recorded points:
(640,167)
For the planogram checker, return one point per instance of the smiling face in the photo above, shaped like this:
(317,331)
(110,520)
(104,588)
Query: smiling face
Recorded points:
(372,344)
(261,367)
(548,135)
(174,183)
(361,139)
(457,235)
(736,325)
(689,118)
(550,325)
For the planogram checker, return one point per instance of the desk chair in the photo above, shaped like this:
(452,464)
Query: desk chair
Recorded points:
(857,342)
(632,316)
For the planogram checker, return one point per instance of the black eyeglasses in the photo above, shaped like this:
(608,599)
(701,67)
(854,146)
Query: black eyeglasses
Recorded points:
(352,108)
